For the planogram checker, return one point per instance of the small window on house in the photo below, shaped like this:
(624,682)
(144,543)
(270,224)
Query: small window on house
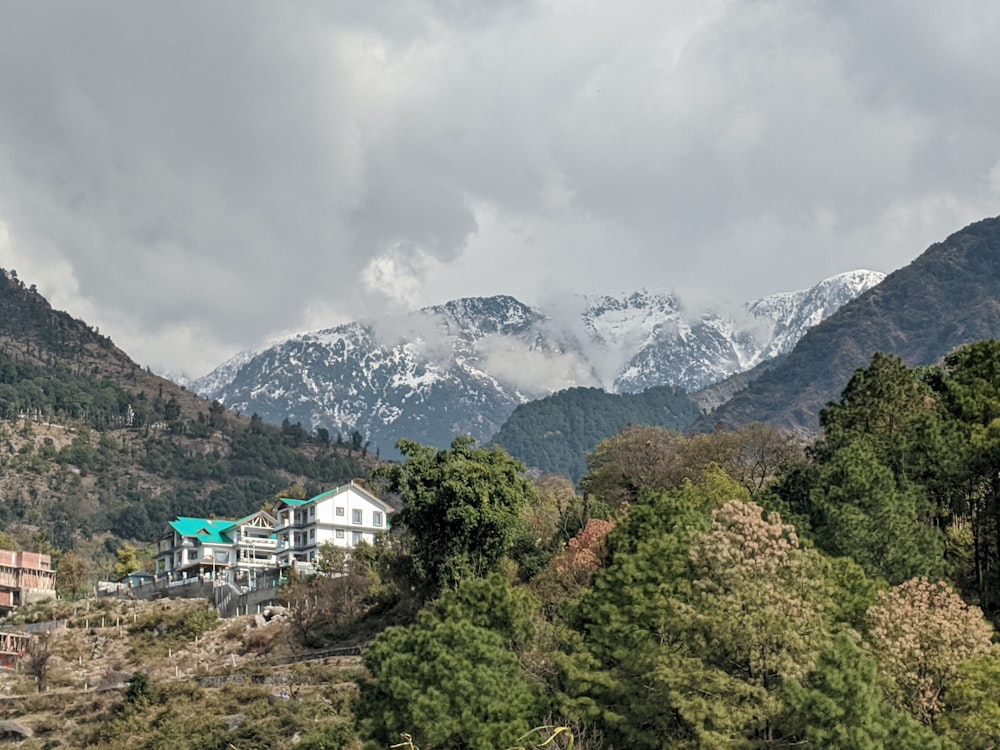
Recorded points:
(356,537)
(340,533)
(377,518)
(312,534)
(340,511)
(312,513)
(356,516)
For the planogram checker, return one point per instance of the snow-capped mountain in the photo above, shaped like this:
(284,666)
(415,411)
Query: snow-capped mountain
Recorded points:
(695,351)
(462,367)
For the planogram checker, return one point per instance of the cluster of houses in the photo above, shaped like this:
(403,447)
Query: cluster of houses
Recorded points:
(291,535)
(241,552)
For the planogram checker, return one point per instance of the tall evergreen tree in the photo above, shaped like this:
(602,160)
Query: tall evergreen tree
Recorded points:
(969,390)
(841,707)
(861,512)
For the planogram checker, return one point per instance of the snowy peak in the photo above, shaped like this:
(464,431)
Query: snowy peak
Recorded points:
(791,314)
(476,317)
(463,366)
(637,318)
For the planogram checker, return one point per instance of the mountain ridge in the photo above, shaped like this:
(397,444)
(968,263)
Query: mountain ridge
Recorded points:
(463,367)
(943,299)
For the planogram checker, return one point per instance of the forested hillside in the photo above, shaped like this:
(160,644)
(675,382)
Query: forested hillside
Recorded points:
(90,442)
(555,433)
(945,298)
(720,590)
(727,589)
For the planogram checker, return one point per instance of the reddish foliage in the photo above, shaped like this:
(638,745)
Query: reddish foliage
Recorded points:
(585,553)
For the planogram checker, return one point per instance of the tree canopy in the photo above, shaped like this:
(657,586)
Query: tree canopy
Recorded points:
(462,508)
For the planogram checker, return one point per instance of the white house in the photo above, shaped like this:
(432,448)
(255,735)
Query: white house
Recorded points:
(198,546)
(343,516)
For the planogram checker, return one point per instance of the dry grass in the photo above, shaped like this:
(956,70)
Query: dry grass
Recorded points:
(182,713)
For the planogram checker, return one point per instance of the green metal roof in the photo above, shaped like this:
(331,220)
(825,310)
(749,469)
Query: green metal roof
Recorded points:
(206,530)
(335,491)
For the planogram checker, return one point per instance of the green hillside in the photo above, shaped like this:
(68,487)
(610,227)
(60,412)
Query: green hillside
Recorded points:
(91,443)
(554,434)
(945,298)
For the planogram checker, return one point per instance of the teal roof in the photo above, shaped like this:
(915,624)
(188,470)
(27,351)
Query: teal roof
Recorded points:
(206,530)
(335,491)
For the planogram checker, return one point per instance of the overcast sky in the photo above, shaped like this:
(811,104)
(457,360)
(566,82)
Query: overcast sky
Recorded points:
(196,178)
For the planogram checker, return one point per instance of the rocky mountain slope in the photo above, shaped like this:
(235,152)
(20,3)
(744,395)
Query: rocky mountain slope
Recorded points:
(947,297)
(462,367)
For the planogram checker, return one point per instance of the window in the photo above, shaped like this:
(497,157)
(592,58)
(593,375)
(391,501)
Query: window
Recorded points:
(312,534)
(356,516)
(312,513)
(356,537)
(377,518)
(340,511)
(340,533)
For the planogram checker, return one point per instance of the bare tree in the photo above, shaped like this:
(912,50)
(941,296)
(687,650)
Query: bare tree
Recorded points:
(41,649)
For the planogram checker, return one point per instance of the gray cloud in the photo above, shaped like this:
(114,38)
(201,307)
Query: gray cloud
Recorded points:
(199,178)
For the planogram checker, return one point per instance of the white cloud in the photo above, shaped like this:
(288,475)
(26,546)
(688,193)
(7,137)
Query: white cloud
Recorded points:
(533,372)
(235,170)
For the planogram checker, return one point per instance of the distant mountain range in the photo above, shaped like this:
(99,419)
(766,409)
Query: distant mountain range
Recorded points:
(463,367)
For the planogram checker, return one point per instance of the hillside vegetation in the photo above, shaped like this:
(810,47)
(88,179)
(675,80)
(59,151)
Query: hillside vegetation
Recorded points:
(170,674)
(554,434)
(721,590)
(91,443)
(945,298)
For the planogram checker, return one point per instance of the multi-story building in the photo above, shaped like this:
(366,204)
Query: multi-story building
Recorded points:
(344,516)
(25,577)
(239,550)
(213,546)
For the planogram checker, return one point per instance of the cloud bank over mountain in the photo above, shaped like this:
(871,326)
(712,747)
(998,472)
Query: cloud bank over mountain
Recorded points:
(197,179)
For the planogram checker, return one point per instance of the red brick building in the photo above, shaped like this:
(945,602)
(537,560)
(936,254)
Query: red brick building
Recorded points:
(25,577)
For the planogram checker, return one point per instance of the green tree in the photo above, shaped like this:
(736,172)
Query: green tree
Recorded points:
(293,492)
(449,684)
(71,575)
(889,405)
(840,706)
(128,561)
(969,392)
(495,604)
(972,718)
(634,669)
(9,542)
(860,511)
(462,507)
